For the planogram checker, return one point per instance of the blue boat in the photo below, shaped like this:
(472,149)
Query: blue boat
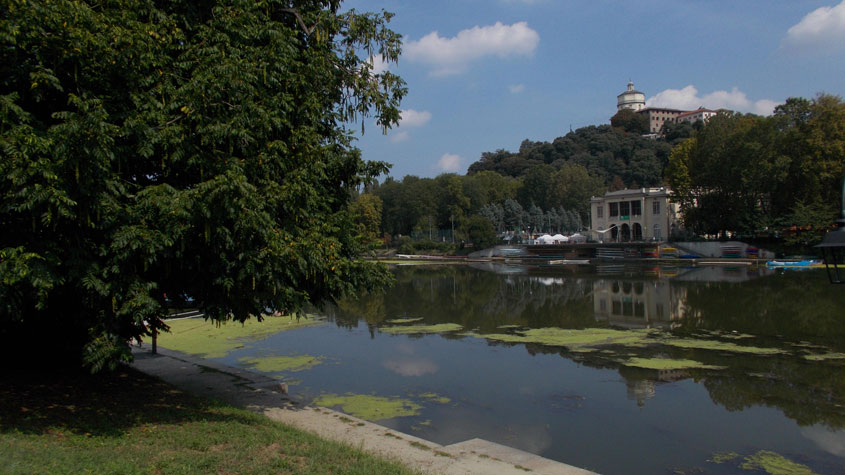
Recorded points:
(803,263)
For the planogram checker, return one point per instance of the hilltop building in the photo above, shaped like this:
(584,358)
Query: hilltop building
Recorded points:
(696,115)
(644,214)
(657,116)
(630,99)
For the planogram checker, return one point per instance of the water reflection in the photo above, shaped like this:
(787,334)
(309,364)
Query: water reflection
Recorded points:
(639,303)
(766,377)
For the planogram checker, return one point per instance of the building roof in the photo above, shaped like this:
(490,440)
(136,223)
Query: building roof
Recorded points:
(659,109)
(697,111)
(657,191)
(632,91)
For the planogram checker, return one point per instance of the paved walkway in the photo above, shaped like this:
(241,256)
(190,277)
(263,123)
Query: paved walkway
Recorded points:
(266,396)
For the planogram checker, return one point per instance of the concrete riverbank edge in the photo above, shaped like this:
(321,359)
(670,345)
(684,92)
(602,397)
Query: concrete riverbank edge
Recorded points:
(264,395)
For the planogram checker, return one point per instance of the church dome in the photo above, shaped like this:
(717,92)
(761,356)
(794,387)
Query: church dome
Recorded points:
(630,99)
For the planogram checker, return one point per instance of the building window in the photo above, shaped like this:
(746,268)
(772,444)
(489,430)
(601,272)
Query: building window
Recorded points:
(655,207)
(624,208)
(657,232)
(600,211)
(614,209)
(636,208)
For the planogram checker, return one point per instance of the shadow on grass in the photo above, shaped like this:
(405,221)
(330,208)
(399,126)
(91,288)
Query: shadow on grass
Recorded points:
(37,402)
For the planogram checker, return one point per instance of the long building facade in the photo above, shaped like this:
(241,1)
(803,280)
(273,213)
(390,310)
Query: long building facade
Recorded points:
(657,116)
(643,214)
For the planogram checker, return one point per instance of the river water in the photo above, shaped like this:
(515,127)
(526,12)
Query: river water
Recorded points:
(754,362)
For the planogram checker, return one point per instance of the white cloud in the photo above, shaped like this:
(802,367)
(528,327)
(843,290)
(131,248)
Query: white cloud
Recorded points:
(829,441)
(822,28)
(410,118)
(452,55)
(516,88)
(379,64)
(399,136)
(689,99)
(413,118)
(449,162)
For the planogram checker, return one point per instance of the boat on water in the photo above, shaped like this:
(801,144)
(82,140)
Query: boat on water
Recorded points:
(569,261)
(802,263)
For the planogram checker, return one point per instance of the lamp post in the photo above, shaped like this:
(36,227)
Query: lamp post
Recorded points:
(833,246)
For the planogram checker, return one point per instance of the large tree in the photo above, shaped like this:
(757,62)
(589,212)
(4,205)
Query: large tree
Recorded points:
(745,173)
(154,152)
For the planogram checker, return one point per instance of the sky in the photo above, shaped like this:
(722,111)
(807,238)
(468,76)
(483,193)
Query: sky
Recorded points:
(484,75)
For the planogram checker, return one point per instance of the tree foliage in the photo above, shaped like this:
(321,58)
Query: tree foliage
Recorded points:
(603,151)
(744,173)
(154,152)
(629,121)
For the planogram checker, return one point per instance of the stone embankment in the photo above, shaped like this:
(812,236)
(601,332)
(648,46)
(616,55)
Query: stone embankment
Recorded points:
(267,396)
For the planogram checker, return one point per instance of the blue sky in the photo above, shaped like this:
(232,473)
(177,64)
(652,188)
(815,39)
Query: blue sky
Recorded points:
(486,74)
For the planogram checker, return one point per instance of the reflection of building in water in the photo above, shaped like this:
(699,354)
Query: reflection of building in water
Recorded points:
(639,303)
(641,390)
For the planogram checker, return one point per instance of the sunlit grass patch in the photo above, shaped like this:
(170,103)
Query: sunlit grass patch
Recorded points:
(369,407)
(128,422)
(205,338)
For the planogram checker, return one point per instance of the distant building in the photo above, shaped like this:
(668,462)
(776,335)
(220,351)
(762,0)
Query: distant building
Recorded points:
(635,101)
(696,115)
(630,99)
(643,214)
(659,116)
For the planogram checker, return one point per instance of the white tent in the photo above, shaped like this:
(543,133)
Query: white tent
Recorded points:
(578,238)
(559,238)
(544,239)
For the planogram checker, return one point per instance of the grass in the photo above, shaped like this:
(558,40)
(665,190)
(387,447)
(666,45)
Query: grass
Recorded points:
(128,422)
(206,339)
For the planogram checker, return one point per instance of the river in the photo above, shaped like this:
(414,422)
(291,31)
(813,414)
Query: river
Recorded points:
(615,368)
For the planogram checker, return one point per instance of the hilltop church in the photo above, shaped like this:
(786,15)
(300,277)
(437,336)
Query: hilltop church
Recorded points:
(635,100)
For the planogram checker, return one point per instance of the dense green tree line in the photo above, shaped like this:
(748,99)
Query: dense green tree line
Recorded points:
(747,174)
(605,152)
(546,186)
(158,151)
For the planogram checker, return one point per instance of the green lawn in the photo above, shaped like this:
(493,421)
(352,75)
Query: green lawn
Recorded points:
(127,422)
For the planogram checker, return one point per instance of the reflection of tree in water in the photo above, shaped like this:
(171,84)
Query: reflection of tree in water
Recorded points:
(794,306)
(777,309)
(475,300)
(809,393)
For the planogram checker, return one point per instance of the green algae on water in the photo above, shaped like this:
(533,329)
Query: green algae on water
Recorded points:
(774,464)
(667,364)
(418,329)
(714,345)
(575,340)
(205,338)
(434,397)
(368,407)
(399,321)
(275,364)
(722,457)
(825,356)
